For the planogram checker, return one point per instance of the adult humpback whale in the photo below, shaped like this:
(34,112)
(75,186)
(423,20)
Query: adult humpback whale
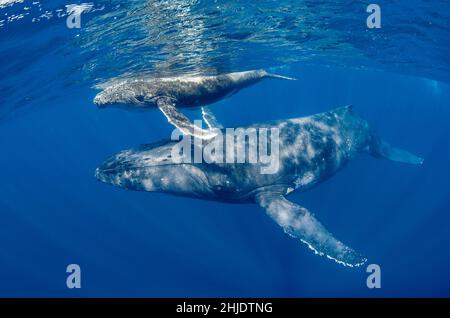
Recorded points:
(311,150)
(171,93)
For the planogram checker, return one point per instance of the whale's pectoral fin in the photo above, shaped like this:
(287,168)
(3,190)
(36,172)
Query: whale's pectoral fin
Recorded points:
(382,149)
(300,223)
(210,119)
(167,107)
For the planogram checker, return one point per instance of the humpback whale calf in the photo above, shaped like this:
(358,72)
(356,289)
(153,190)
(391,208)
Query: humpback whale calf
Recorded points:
(311,150)
(171,93)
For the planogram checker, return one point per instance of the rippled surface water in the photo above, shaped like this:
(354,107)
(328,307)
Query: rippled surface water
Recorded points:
(121,38)
(53,212)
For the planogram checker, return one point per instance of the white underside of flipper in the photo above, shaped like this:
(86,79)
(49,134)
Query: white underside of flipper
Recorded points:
(300,223)
(210,119)
(176,118)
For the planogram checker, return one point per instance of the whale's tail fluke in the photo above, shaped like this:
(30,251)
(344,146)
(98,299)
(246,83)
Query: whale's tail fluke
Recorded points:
(382,149)
(281,77)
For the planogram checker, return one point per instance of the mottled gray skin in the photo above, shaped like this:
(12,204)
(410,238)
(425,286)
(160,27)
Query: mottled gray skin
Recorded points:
(183,91)
(312,149)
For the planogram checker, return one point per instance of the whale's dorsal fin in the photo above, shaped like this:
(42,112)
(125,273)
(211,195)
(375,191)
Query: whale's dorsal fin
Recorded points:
(300,223)
(167,107)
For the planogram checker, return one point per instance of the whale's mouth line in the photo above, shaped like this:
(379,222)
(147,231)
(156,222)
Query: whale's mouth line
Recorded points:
(103,174)
(142,167)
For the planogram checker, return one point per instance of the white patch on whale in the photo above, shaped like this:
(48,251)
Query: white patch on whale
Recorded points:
(305,180)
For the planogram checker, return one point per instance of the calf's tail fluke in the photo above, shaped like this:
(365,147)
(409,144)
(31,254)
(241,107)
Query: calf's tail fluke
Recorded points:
(382,149)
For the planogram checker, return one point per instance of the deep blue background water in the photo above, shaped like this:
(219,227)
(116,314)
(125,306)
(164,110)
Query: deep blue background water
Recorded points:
(53,212)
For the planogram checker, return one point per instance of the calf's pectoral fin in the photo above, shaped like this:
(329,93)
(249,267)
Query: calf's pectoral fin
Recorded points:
(300,223)
(176,118)
(210,119)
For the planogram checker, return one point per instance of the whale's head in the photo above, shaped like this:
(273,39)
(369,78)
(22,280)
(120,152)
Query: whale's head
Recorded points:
(151,168)
(119,95)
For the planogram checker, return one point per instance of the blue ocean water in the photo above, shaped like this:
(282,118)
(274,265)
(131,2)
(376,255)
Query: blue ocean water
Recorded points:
(53,212)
